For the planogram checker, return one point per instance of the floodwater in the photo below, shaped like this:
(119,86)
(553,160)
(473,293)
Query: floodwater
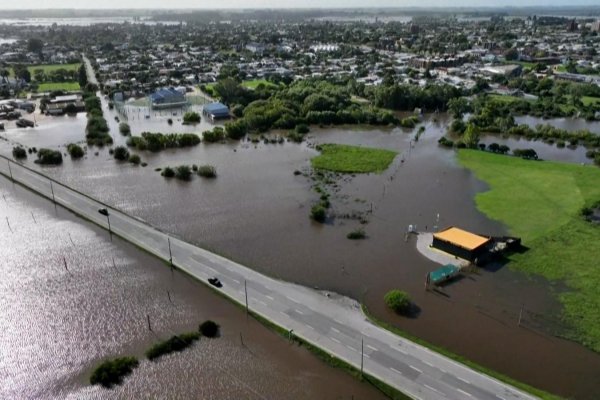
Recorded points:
(81,21)
(256,212)
(65,307)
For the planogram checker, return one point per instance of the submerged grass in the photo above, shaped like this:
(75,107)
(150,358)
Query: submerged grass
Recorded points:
(541,202)
(352,159)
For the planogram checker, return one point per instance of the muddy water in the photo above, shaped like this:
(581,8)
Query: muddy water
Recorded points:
(256,212)
(569,124)
(57,323)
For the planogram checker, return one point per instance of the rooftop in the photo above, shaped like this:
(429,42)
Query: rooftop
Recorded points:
(459,237)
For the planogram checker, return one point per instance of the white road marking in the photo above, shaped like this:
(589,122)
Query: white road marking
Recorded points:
(311,327)
(270,298)
(261,302)
(236,281)
(335,330)
(292,299)
(428,363)
(462,391)
(464,380)
(500,397)
(416,369)
(351,348)
(372,347)
(432,388)
(396,371)
(299,312)
(338,321)
(335,340)
(366,355)
(282,313)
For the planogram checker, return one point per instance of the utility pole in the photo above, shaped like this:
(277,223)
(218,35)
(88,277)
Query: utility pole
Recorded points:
(10,170)
(149,326)
(170,253)
(246,291)
(520,315)
(52,189)
(362,355)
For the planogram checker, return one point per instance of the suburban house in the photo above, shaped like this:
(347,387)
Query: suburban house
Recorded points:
(59,104)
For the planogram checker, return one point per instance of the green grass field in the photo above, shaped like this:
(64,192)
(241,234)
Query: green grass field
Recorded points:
(508,99)
(540,202)
(51,86)
(351,159)
(49,67)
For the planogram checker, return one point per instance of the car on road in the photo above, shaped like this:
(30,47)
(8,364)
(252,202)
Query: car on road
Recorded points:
(215,282)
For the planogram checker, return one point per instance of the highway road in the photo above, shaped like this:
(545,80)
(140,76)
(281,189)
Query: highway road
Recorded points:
(328,321)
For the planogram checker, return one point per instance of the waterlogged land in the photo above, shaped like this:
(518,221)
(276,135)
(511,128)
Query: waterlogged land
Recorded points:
(246,214)
(66,307)
(542,203)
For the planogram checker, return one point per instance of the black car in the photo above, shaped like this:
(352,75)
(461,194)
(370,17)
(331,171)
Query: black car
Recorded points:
(215,282)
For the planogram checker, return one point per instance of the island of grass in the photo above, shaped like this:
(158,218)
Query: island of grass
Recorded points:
(541,202)
(173,344)
(352,159)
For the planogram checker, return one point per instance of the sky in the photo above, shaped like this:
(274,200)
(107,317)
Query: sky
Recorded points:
(209,4)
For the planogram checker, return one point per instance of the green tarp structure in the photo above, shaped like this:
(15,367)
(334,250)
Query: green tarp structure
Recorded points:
(440,275)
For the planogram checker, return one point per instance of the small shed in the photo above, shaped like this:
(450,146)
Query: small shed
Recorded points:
(216,111)
(460,243)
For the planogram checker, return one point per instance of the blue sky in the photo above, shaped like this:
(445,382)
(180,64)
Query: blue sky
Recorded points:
(28,4)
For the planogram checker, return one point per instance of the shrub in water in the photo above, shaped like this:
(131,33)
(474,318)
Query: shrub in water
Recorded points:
(121,153)
(207,171)
(183,172)
(174,343)
(47,156)
(191,117)
(318,213)
(75,150)
(124,128)
(19,152)
(209,328)
(357,234)
(398,301)
(134,159)
(112,372)
(168,172)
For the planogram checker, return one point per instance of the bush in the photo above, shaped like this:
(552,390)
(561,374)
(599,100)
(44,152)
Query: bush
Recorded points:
(134,159)
(318,213)
(236,129)
(47,156)
(191,117)
(174,343)
(209,328)
(357,234)
(443,141)
(168,172)
(112,372)
(398,301)
(302,129)
(183,172)
(207,171)
(19,152)
(216,135)
(75,150)
(124,128)
(121,153)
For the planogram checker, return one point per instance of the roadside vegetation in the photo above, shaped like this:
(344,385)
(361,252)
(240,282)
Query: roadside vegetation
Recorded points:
(352,159)
(541,202)
(19,152)
(112,372)
(75,151)
(97,127)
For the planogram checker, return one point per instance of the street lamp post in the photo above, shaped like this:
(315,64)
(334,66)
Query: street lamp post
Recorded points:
(104,211)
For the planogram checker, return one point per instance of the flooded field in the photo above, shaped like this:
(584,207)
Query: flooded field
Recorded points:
(256,212)
(57,323)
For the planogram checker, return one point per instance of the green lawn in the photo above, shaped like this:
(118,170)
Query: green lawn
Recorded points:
(51,86)
(49,67)
(508,99)
(350,159)
(540,202)
(252,84)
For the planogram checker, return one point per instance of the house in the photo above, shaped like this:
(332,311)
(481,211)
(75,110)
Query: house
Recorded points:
(59,104)
(460,243)
(216,111)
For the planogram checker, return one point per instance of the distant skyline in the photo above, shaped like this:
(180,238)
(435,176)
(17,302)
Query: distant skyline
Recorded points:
(204,4)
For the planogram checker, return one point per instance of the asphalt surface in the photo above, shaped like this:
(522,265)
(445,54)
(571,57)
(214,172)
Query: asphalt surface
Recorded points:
(326,320)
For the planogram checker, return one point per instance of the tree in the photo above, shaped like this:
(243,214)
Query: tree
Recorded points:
(511,54)
(82,76)
(398,301)
(35,45)
(471,136)
(458,107)
(121,153)
(191,117)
